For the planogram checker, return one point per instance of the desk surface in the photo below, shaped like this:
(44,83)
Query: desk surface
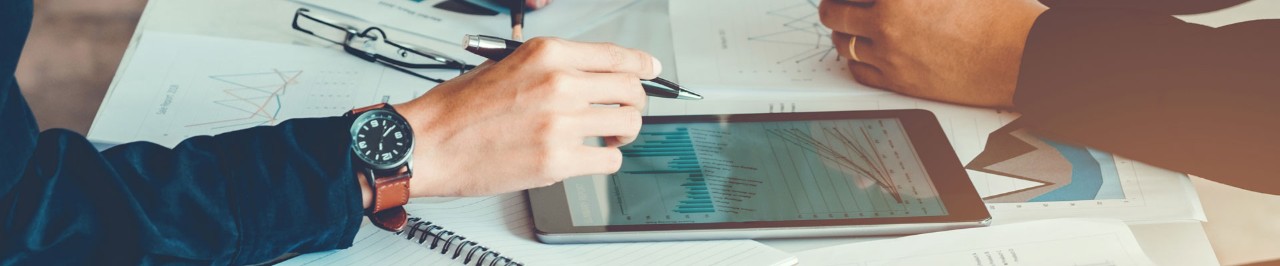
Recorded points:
(1242,227)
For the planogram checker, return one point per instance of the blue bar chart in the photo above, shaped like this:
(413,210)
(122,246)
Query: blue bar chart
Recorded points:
(678,146)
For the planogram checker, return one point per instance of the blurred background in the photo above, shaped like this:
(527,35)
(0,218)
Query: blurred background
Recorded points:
(71,56)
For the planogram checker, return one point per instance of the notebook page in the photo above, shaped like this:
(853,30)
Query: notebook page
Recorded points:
(503,224)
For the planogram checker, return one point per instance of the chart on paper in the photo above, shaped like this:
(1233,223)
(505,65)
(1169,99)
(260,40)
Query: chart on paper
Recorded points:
(774,44)
(167,95)
(767,171)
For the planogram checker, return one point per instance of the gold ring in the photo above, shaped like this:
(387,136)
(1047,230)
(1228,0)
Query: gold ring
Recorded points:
(853,54)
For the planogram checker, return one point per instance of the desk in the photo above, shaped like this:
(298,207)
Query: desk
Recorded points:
(1243,225)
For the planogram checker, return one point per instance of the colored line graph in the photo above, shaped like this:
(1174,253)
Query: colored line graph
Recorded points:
(257,95)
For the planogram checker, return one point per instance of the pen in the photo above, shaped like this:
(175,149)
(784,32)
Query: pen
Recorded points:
(517,19)
(496,49)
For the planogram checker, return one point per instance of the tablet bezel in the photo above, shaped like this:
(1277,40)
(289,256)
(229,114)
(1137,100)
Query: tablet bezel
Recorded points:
(550,210)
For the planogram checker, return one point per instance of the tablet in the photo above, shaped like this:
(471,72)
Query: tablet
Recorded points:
(856,173)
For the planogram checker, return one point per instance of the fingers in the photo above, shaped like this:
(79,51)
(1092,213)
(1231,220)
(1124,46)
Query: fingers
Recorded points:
(848,17)
(868,75)
(867,50)
(621,122)
(597,160)
(612,88)
(595,57)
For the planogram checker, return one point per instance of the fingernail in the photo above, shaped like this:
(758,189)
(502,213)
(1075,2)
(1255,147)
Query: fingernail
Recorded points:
(542,3)
(657,67)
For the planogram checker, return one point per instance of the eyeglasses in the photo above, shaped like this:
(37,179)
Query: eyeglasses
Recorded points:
(372,45)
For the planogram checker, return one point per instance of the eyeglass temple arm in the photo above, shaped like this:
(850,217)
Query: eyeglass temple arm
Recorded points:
(302,12)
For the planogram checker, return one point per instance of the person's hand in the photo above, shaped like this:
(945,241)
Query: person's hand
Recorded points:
(521,123)
(535,4)
(965,52)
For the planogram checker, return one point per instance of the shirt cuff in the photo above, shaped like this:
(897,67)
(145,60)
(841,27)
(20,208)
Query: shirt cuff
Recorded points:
(309,198)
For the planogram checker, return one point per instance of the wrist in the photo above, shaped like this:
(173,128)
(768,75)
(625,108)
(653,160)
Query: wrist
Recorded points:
(420,116)
(366,190)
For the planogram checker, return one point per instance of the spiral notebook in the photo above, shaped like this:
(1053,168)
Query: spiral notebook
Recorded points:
(497,230)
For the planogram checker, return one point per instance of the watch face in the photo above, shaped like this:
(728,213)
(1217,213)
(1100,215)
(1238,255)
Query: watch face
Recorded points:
(382,139)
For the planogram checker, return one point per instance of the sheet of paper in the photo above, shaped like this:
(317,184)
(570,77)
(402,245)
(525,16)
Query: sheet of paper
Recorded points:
(178,86)
(449,20)
(1116,187)
(754,45)
(1048,242)
(502,223)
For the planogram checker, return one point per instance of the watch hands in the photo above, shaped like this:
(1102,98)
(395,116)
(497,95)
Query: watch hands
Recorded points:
(385,132)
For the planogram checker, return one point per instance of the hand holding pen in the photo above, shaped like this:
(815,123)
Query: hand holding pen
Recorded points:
(531,113)
(496,49)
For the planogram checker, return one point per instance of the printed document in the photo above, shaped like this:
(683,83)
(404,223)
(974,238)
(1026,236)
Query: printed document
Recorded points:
(757,46)
(178,86)
(1066,242)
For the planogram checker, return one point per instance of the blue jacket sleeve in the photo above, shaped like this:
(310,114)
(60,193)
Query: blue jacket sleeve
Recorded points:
(240,197)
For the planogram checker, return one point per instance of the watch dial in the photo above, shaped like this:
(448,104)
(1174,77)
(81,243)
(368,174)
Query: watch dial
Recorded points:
(383,139)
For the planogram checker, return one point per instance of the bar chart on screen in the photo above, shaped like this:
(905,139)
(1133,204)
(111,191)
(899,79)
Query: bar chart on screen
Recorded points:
(769,171)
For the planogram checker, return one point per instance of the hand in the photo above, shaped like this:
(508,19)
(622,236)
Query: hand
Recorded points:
(535,4)
(965,52)
(521,123)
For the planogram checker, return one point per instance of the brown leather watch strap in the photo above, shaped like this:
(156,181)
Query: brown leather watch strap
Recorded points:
(390,194)
(367,108)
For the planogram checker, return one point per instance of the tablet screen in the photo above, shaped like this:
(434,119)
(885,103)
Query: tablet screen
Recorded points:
(759,171)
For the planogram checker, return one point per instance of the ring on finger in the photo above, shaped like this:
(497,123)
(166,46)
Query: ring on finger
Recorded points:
(853,53)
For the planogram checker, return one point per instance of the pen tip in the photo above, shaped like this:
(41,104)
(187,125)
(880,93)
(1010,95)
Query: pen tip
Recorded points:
(689,95)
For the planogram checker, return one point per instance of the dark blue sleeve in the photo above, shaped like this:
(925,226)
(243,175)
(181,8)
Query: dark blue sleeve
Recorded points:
(241,197)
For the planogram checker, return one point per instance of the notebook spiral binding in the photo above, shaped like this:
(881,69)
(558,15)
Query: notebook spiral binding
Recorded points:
(445,239)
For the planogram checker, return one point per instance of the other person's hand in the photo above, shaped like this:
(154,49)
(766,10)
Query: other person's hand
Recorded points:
(521,123)
(536,3)
(966,52)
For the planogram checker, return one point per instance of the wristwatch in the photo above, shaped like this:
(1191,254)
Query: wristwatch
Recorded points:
(382,144)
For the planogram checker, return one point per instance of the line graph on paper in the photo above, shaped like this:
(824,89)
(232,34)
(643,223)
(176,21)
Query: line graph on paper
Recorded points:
(236,101)
(256,96)
(788,38)
(801,34)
